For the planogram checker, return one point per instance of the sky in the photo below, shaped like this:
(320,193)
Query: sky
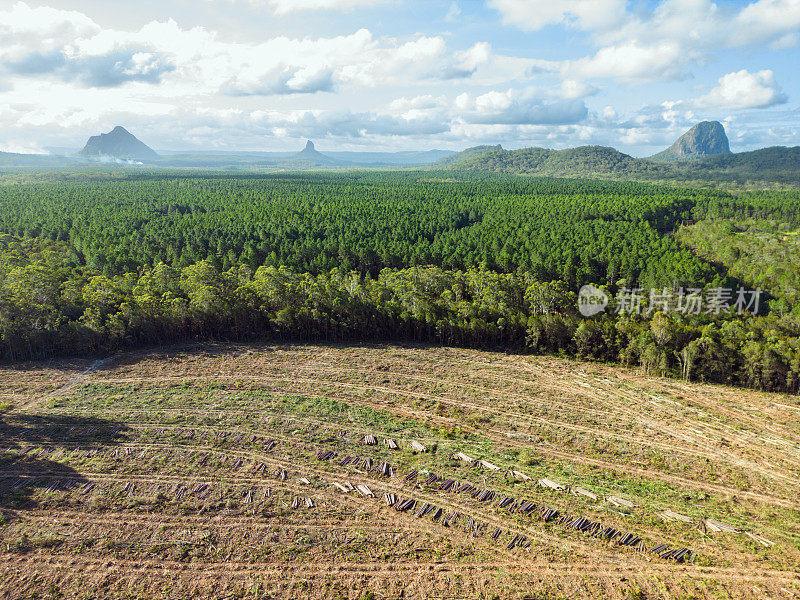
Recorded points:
(224,75)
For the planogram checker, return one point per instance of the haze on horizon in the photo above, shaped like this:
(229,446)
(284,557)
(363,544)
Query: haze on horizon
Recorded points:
(397,74)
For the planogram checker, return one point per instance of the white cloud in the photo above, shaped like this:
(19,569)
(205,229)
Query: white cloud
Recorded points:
(64,77)
(471,59)
(765,20)
(574,88)
(69,46)
(18,147)
(514,107)
(21,20)
(49,42)
(633,63)
(287,6)
(742,89)
(417,103)
(660,44)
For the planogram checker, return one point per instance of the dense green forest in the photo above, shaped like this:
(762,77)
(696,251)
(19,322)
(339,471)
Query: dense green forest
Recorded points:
(494,262)
(578,231)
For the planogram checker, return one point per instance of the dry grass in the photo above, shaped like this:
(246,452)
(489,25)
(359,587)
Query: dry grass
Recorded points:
(698,450)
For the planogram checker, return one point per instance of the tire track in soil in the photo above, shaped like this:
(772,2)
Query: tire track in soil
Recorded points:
(519,565)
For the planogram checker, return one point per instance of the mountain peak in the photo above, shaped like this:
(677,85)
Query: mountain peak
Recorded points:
(707,138)
(117,143)
(310,156)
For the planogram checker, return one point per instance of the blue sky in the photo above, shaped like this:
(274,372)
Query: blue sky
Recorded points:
(397,74)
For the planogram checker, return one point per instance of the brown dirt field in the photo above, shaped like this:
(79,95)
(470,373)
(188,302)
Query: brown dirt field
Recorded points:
(150,475)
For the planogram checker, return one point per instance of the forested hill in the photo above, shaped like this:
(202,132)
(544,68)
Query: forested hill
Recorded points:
(584,161)
(776,164)
(769,165)
(459,158)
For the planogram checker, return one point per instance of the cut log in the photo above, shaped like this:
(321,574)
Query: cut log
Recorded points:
(617,501)
(668,515)
(417,446)
(761,540)
(450,519)
(553,485)
(583,492)
(432,479)
(384,469)
(365,491)
(325,454)
(716,526)
(447,485)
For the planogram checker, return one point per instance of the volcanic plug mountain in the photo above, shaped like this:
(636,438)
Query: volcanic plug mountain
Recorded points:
(118,143)
(704,139)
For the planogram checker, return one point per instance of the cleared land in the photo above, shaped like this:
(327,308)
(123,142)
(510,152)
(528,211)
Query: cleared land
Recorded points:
(223,471)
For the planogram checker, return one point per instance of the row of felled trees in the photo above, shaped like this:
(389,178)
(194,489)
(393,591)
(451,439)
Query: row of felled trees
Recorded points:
(50,305)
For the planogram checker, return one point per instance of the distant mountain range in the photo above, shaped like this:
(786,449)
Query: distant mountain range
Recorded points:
(308,158)
(701,154)
(120,146)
